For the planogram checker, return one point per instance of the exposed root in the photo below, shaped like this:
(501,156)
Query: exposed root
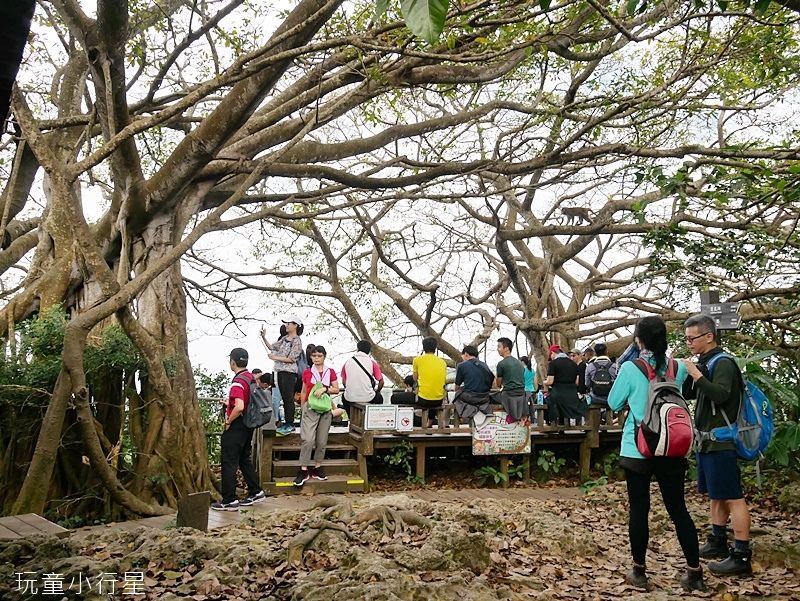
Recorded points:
(393,521)
(339,507)
(302,541)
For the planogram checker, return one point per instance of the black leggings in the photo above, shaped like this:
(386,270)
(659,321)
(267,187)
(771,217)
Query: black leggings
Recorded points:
(286,384)
(671,483)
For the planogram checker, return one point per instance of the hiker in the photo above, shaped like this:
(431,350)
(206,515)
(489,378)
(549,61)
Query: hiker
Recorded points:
(600,389)
(318,381)
(577,357)
(406,396)
(718,395)
(589,354)
(362,378)
(430,374)
(511,378)
(531,381)
(472,385)
(236,439)
(632,388)
(285,352)
(562,381)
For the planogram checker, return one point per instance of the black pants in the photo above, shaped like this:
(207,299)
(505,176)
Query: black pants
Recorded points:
(235,455)
(671,483)
(286,384)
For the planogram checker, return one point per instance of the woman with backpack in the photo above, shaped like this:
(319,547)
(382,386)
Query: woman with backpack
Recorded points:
(632,387)
(285,352)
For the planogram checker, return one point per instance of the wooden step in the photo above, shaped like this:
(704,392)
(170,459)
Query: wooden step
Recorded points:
(334,484)
(285,447)
(282,468)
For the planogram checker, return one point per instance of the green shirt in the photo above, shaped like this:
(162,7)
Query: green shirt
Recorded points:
(512,371)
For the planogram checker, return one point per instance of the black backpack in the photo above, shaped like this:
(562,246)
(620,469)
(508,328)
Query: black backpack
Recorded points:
(602,380)
(259,408)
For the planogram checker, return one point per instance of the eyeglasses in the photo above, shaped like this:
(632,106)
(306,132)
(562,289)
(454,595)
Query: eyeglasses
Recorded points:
(691,339)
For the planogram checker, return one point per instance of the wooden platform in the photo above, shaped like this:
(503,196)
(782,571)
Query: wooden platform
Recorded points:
(20,526)
(277,458)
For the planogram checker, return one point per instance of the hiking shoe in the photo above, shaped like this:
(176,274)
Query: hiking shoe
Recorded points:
(253,499)
(692,580)
(637,577)
(232,506)
(737,564)
(302,476)
(715,548)
(318,474)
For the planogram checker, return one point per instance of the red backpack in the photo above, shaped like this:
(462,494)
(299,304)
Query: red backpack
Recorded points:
(666,429)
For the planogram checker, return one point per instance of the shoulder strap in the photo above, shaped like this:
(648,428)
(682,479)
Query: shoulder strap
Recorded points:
(247,383)
(478,364)
(364,369)
(645,368)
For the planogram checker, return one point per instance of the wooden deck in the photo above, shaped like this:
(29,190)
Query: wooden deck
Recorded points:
(27,524)
(276,458)
(453,432)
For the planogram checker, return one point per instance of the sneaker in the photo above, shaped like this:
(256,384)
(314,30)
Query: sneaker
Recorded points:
(302,476)
(318,474)
(253,499)
(232,506)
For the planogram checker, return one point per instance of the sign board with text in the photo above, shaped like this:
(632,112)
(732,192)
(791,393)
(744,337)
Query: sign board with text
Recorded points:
(380,417)
(725,315)
(499,437)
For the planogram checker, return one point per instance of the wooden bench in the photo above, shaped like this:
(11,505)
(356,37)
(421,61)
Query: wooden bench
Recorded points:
(20,526)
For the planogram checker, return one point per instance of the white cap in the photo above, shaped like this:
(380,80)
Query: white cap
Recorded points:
(292,319)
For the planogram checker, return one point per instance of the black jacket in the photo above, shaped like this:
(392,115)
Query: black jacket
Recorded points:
(716,393)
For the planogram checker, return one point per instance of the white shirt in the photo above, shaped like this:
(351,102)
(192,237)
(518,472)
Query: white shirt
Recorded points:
(358,387)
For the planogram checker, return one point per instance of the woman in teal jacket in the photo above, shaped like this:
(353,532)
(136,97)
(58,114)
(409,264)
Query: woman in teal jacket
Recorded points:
(631,388)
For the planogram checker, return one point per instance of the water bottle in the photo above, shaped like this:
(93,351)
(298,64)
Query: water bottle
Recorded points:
(540,398)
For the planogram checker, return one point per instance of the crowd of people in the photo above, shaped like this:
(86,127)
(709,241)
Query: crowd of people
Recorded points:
(574,381)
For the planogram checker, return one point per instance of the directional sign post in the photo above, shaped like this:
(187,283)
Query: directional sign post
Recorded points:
(726,315)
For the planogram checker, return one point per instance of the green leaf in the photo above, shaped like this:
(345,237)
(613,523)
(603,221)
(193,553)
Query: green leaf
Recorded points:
(544,4)
(762,6)
(381,6)
(425,18)
(723,4)
(632,6)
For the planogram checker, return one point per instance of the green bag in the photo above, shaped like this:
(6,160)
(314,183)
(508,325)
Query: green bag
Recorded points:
(320,404)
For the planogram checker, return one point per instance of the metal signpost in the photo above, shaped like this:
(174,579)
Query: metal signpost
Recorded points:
(725,315)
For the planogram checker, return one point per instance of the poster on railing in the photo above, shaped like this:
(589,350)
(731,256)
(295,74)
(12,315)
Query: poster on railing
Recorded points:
(380,417)
(500,436)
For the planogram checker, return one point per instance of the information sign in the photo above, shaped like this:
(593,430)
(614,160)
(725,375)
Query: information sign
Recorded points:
(499,437)
(380,417)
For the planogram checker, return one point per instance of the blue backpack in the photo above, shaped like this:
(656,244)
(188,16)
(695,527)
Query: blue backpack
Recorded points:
(753,428)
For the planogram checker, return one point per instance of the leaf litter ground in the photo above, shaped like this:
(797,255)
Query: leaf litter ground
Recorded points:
(397,548)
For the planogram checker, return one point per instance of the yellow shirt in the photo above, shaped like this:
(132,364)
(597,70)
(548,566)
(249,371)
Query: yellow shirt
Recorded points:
(432,374)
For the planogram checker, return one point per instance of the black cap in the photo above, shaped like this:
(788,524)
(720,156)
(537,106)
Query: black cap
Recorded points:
(239,354)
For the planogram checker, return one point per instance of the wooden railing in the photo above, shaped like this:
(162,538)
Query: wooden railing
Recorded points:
(451,430)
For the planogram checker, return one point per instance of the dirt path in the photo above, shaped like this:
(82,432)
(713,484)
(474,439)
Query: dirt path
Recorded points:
(301,502)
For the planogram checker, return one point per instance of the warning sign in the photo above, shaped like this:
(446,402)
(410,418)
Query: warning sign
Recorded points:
(405,419)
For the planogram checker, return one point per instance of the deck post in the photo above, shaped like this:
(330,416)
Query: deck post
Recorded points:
(265,463)
(421,463)
(592,441)
(504,469)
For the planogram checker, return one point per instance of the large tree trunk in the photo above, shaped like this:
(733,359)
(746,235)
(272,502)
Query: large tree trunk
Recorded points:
(173,459)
